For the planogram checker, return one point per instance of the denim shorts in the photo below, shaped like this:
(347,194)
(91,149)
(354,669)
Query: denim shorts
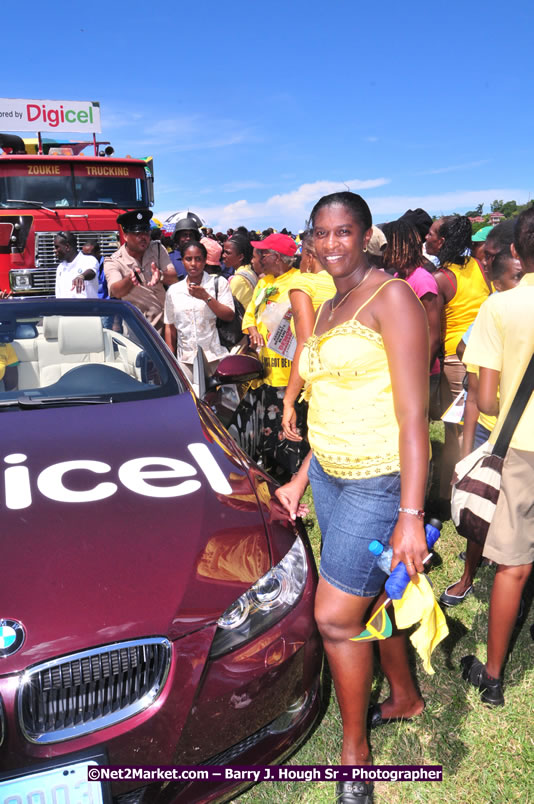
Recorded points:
(351,513)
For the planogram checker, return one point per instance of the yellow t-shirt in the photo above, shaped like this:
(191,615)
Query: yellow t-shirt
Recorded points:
(460,312)
(319,287)
(242,288)
(503,339)
(270,290)
(352,427)
(8,357)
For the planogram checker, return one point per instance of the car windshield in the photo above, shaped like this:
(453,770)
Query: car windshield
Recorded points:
(59,353)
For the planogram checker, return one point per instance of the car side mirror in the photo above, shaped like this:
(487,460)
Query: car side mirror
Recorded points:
(235,369)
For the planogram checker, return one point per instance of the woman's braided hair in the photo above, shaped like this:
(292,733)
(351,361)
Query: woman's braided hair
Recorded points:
(457,231)
(404,248)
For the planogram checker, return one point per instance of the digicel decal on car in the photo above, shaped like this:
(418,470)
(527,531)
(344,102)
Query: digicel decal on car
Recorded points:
(133,474)
(56,116)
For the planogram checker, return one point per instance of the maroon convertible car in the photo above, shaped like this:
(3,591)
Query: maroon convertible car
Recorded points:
(156,606)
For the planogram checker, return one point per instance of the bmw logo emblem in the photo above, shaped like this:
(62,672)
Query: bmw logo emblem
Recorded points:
(12,636)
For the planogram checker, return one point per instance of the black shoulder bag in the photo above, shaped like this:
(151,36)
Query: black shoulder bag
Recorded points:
(230,332)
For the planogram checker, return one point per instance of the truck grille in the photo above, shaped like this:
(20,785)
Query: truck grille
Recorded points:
(81,693)
(45,254)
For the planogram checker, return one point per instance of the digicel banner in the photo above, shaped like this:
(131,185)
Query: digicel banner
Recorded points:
(19,114)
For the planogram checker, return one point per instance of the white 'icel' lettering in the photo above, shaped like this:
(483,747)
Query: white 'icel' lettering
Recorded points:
(137,475)
(50,482)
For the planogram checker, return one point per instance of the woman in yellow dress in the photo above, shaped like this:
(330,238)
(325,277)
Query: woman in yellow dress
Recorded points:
(368,431)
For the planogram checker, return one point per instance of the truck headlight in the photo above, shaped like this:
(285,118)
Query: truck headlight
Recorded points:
(20,280)
(264,603)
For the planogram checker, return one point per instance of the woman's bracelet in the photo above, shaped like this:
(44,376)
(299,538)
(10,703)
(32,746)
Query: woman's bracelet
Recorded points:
(418,512)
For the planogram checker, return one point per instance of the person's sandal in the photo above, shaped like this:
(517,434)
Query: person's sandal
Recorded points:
(454,600)
(375,719)
(354,793)
(475,673)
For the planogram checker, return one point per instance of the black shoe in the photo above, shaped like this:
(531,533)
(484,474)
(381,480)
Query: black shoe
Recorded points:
(454,600)
(490,688)
(354,793)
(375,719)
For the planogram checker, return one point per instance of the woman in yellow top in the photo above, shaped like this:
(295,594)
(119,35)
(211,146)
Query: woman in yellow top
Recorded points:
(311,287)
(237,253)
(262,317)
(462,288)
(368,431)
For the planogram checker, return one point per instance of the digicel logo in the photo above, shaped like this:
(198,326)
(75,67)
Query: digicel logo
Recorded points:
(137,475)
(56,116)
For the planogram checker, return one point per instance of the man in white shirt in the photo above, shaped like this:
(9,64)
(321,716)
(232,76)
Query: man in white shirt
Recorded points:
(76,274)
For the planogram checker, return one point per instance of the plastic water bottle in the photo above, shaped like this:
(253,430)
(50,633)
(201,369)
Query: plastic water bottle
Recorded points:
(385,554)
(399,578)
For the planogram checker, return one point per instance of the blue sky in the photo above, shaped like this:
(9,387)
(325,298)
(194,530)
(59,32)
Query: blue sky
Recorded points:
(252,111)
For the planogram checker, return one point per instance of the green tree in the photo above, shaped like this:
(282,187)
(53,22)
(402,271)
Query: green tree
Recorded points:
(497,206)
(509,209)
(474,213)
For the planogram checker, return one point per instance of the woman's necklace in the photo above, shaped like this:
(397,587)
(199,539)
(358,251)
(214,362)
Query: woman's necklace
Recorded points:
(347,294)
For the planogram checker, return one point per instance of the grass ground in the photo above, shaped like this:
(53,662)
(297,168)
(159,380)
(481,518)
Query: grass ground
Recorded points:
(487,754)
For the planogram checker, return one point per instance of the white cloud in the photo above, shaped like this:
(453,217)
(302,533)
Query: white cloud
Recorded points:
(284,209)
(444,203)
(292,209)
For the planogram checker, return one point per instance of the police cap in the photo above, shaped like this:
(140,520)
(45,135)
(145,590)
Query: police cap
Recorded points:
(137,220)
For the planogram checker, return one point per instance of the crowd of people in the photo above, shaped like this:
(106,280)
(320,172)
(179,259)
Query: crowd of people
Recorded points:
(364,334)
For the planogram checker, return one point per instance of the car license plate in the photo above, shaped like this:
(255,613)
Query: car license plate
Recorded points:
(65,784)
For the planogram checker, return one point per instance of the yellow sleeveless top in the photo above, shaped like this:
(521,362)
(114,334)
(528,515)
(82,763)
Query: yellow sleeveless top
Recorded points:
(461,311)
(352,427)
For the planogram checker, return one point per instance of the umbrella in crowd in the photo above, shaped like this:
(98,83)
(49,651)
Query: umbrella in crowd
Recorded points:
(172,220)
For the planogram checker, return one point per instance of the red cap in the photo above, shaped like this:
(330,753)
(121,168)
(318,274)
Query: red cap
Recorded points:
(283,244)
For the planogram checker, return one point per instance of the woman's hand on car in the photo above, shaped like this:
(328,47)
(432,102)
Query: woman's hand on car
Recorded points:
(289,496)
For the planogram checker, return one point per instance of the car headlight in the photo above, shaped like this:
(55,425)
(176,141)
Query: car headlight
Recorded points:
(263,604)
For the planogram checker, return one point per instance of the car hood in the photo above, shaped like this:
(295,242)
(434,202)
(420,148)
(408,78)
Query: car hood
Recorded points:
(175,537)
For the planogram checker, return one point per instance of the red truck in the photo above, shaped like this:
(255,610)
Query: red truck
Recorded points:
(61,189)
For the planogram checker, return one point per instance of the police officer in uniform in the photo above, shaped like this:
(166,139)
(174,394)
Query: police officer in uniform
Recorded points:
(139,271)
